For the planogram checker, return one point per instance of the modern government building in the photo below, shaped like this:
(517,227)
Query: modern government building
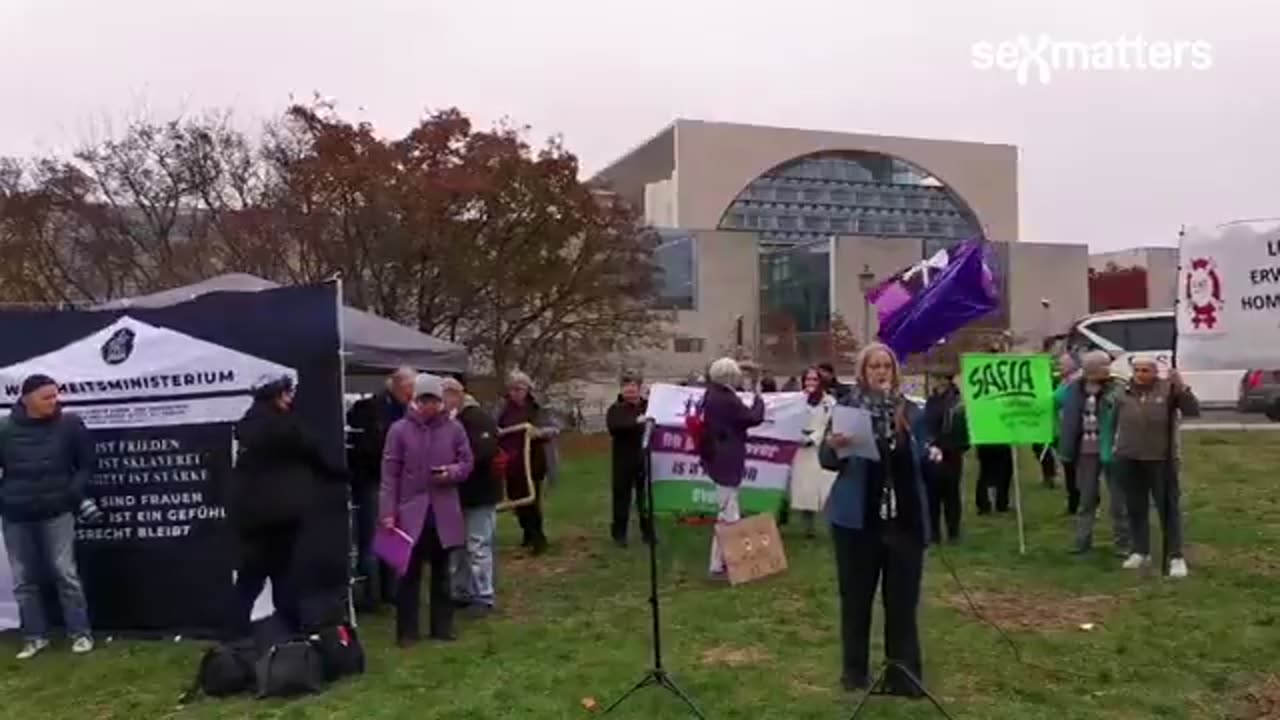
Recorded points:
(774,230)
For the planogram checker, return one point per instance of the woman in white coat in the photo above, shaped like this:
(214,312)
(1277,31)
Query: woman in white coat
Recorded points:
(810,484)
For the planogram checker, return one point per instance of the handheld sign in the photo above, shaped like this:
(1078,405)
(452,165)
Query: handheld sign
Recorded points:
(1008,398)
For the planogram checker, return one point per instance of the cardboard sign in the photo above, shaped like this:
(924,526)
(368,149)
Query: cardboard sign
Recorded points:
(1008,398)
(752,549)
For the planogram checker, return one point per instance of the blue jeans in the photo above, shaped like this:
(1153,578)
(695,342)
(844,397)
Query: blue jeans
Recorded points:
(471,566)
(40,551)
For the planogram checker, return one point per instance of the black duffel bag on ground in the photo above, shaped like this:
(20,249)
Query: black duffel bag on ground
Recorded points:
(290,669)
(225,669)
(340,651)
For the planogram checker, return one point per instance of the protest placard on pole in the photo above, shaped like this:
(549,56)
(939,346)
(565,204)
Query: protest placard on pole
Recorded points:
(1008,400)
(1228,308)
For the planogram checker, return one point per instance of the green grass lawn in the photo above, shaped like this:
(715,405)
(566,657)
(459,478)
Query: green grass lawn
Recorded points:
(575,624)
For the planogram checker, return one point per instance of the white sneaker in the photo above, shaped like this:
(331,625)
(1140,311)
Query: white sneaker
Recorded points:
(32,648)
(1177,568)
(1137,562)
(82,645)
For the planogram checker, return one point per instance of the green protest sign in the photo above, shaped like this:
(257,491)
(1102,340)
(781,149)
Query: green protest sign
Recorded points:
(1008,398)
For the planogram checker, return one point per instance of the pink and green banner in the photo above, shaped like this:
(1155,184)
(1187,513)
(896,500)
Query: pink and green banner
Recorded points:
(680,485)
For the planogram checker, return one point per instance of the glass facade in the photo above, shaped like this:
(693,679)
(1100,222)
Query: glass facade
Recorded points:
(676,259)
(848,193)
(795,283)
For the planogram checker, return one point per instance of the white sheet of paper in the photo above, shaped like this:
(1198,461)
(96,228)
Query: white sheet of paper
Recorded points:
(855,423)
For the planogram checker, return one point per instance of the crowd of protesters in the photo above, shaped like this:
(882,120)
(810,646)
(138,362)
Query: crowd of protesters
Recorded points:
(429,461)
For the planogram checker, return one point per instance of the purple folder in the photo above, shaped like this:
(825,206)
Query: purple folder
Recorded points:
(393,546)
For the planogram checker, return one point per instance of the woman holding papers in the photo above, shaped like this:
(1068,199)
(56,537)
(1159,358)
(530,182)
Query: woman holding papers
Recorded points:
(810,482)
(877,512)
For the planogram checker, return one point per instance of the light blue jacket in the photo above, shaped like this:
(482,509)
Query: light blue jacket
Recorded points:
(846,505)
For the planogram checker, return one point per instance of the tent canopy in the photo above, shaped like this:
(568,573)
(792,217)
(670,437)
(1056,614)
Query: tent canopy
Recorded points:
(370,342)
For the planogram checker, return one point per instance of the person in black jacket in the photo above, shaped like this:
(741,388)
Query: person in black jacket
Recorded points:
(281,478)
(46,459)
(471,566)
(945,423)
(626,422)
(370,418)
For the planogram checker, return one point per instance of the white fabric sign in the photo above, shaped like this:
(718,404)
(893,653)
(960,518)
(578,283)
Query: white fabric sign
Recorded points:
(1228,310)
(130,375)
(785,414)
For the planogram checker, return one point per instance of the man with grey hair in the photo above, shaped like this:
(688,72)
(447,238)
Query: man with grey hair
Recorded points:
(370,418)
(1087,416)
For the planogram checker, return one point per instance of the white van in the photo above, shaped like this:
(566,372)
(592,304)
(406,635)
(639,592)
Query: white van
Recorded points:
(1133,334)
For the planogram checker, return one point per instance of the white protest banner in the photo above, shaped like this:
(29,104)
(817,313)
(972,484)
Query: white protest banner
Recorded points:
(1229,296)
(679,484)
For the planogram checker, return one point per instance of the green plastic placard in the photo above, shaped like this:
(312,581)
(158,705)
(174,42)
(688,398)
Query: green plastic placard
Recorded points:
(1008,398)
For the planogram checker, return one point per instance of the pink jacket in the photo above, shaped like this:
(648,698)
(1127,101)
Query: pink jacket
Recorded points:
(414,448)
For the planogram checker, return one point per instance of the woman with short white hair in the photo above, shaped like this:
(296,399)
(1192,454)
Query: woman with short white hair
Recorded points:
(723,443)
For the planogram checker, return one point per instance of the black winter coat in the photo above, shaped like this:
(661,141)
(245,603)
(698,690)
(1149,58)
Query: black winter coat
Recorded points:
(372,416)
(624,422)
(280,472)
(46,465)
(481,488)
(944,421)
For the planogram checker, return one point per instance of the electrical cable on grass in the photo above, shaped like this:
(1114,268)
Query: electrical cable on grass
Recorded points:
(1004,636)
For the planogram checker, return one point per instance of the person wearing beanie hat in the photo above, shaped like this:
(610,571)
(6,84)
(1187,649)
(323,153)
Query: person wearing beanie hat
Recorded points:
(626,423)
(944,421)
(46,460)
(427,456)
(280,472)
(520,407)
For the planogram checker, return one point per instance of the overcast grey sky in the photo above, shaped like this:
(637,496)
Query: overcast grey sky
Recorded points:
(1113,159)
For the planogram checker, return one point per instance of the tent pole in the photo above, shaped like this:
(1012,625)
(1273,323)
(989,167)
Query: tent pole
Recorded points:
(342,413)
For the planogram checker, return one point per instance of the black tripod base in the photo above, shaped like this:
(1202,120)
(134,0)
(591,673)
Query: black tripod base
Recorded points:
(885,686)
(659,678)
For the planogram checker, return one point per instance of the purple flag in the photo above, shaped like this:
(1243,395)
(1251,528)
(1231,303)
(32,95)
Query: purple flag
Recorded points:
(928,301)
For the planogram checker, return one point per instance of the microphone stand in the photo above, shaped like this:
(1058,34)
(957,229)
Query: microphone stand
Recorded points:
(656,675)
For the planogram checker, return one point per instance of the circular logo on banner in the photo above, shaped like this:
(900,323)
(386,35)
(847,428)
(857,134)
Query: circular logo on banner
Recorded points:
(118,347)
(1203,291)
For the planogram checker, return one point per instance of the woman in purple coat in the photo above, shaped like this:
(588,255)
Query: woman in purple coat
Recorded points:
(426,456)
(723,447)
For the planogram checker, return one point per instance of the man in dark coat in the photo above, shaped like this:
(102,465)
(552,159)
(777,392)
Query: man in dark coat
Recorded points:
(370,418)
(282,507)
(945,423)
(626,422)
(471,566)
(46,460)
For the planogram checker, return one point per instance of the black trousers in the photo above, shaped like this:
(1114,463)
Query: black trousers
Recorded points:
(266,553)
(428,550)
(995,472)
(942,482)
(863,560)
(530,519)
(1073,489)
(628,483)
(1048,463)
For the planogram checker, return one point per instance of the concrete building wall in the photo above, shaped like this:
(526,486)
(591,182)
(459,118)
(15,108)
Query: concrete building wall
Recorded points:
(1052,271)
(716,160)
(728,286)
(651,162)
